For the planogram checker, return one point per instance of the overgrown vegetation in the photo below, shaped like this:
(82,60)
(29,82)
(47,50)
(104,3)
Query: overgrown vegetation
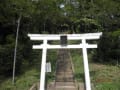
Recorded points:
(109,48)
(31,75)
(47,16)
(23,82)
(77,60)
(103,77)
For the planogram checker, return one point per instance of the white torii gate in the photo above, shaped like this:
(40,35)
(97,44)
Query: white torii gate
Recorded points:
(83,45)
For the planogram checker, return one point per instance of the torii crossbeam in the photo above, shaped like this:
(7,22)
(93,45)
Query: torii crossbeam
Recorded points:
(83,45)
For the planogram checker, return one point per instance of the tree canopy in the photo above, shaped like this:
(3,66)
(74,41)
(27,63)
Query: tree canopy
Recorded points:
(47,16)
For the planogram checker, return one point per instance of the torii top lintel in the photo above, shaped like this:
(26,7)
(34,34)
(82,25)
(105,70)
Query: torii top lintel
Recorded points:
(69,36)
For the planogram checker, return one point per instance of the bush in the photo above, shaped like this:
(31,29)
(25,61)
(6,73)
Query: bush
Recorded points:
(108,48)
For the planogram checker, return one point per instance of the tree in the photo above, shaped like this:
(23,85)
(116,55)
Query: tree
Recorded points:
(10,13)
(86,25)
(109,48)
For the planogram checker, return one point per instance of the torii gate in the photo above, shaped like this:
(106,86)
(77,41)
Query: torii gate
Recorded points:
(83,45)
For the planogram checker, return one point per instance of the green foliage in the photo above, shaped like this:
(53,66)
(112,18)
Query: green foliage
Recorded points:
(5,60)
(109,48)
(108,86)
(86,25)
(105,77)
(51,57)
(106,12)
(77,64)
(23,82)
(45,16)
(10,11)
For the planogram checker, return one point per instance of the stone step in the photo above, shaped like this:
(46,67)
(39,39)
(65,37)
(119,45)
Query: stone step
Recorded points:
(66,76)
(62,72)
(63,64)
(64,80)
(62,89)
(60,79)
(59,86)
(65,84)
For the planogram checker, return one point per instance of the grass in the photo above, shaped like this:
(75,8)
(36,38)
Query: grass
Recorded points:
(31,76)
(108,86)
(51,57)
(78,64)
(23,82)
(103,77)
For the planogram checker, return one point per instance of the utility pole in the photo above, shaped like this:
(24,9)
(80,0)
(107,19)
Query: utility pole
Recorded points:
(15,50)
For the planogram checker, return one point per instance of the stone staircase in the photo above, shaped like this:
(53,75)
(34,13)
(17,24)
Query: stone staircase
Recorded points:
(64,71)
(64,79)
